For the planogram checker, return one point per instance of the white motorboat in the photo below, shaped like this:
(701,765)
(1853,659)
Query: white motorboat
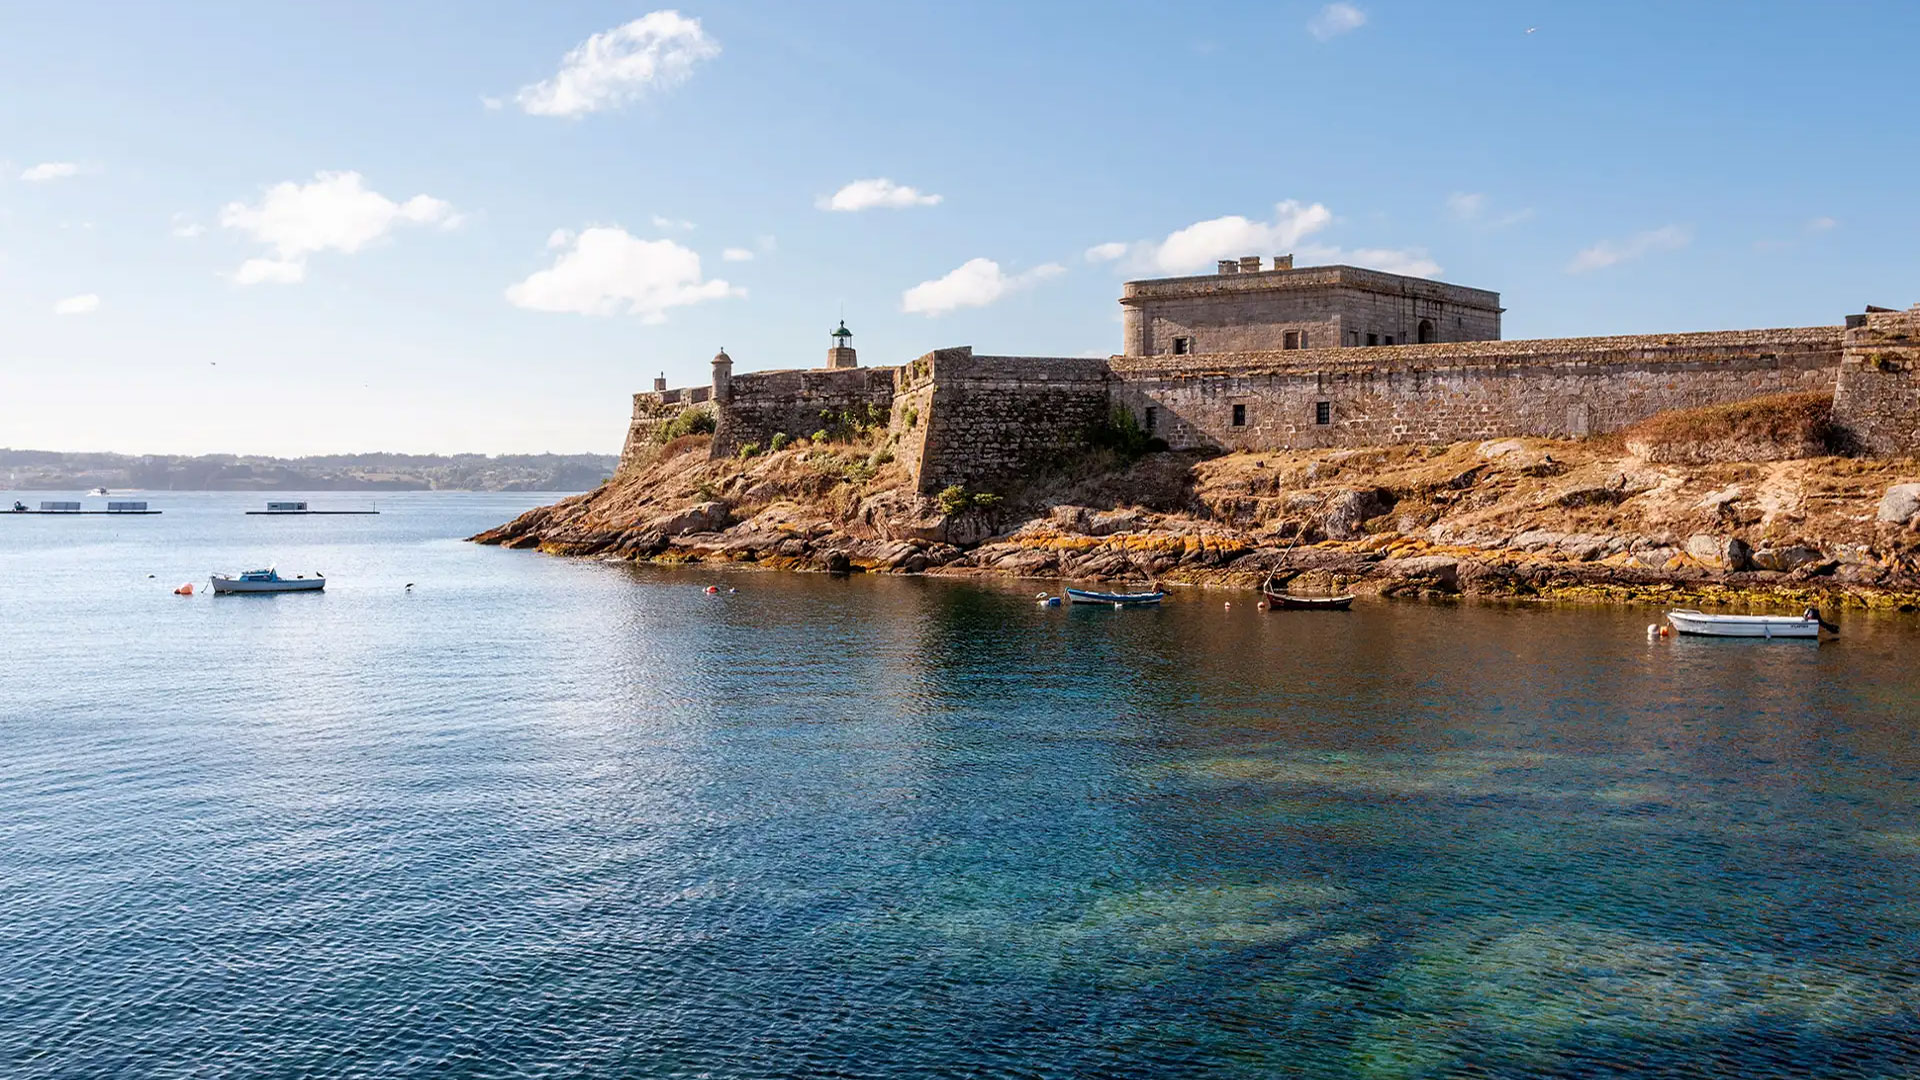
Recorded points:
(267,581)
(1809,625)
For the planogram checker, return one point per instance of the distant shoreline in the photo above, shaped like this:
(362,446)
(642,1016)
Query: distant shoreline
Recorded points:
(49,470)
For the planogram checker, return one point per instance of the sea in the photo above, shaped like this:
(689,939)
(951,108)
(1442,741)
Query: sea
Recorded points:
(473,812)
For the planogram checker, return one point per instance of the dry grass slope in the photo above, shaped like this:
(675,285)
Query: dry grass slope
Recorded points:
(1777,428)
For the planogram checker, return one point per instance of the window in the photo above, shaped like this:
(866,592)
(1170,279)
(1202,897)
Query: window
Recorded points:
(1291,341)
(1373,339)
(1426,331)
(1239,416)
(1153,418)
(1182,346)
(1389,339)
(1323,413)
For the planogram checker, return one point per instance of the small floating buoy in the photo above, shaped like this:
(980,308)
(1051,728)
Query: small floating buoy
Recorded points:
(713,590)
(731,591)
(1263,605)
(1229,605)
(184,590)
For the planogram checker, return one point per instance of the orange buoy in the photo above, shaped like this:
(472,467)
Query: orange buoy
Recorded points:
(184,590)
(713,590)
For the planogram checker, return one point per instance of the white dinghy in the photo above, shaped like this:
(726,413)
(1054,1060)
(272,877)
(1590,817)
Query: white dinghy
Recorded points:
(1809,625)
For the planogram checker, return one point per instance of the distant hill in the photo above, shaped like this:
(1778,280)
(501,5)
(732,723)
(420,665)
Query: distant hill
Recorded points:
(52,470)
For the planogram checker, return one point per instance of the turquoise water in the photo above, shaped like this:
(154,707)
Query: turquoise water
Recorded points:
(546,817)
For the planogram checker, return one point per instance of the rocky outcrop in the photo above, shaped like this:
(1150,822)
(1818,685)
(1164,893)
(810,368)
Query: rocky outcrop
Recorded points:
(1513,518)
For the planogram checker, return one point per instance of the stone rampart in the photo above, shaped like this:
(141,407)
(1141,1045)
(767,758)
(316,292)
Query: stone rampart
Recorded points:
(797,403)
(654,409)
(1876,399)
(1560,388)
(987,421)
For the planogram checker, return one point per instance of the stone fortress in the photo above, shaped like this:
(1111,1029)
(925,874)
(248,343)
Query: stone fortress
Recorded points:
(1292,358)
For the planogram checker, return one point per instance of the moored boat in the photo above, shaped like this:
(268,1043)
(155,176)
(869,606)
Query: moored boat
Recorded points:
(267,581)
(1117,599)
(1288,602)
(1809,625)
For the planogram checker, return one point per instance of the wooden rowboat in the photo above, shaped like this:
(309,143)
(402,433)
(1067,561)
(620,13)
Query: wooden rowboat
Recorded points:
(1117,599)
(1284,602)
(1279,601)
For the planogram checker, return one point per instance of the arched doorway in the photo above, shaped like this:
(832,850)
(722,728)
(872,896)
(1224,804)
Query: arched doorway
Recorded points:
(1426,331)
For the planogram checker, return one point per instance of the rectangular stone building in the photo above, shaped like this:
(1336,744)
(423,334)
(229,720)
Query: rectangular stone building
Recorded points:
(1245,309)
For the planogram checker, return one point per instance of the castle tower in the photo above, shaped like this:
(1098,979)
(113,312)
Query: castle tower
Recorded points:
(840,355)
(660,383)
(722,377)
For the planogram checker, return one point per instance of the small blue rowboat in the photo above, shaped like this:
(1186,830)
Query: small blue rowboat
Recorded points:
(1117,599)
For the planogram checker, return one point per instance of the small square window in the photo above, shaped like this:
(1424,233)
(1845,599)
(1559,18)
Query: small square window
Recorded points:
(1389,339)
(1153,418)
(1182,346)
(1291,341)
(1323,413)
(1373,339)
(1239,416)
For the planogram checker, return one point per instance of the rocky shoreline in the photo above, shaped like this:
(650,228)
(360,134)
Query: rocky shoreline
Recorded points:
(1512,518)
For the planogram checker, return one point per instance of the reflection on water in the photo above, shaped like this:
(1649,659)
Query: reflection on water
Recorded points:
(550,817)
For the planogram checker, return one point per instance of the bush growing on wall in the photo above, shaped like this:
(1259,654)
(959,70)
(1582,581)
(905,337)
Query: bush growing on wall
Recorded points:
(691,421)
(779,441)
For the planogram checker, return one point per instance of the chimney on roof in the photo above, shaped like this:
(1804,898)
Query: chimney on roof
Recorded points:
(1228,266)
(1283,262)
(1250,264)
(660,384)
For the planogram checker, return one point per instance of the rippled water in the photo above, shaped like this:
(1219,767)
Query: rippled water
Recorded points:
(545,817)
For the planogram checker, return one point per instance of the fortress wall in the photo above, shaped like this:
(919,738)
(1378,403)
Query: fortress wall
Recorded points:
(763,404)
(651,409)
(1558,388)
(1877,396)
(993,419)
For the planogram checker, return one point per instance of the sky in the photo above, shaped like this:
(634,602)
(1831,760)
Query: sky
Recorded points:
(291,228)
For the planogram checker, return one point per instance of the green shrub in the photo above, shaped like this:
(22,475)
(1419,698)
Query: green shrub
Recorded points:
(911,417)
(779,441)
(691,421)
(820,436)
(953,499)
(880,457)
(985,500)
(748,450)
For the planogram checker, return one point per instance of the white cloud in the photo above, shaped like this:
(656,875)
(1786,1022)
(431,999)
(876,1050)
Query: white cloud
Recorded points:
(336,212)
(559,238)
(185,227)
(1412,262)
(656,51)
(84,304)
(1466,205)
(1203,242)
(50,170)
(264,271)
(1607,252)
(605,271)
(1106,252)
(671,224)
(737,254)
(1336,19)
(975,283)
(1821,224)
(878,192)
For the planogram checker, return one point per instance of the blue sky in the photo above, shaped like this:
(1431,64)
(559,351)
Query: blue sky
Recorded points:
(302,228)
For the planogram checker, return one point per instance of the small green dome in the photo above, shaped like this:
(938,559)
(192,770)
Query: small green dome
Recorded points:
(843,332)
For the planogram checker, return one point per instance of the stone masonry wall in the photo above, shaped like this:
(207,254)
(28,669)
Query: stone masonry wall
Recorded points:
(991,420)
(1248,312)
(765,403)
(1445,393)
(1877,396)
(651,409)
